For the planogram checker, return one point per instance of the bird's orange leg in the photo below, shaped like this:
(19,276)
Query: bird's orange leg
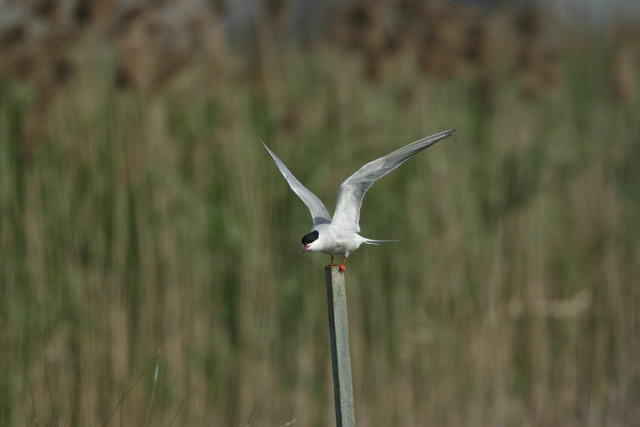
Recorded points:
(331,263)
(343,267)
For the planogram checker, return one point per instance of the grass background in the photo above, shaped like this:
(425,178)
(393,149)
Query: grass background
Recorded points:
(150,262)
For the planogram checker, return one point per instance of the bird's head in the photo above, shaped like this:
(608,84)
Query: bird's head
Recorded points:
(308,241)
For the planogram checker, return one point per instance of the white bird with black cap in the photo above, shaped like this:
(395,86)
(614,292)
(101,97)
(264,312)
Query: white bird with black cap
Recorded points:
(339,235)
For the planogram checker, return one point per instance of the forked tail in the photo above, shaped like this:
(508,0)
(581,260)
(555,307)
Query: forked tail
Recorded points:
(376,242)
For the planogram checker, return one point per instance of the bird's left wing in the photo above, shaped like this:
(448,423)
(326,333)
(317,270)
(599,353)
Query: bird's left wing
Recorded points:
(353,189)
(319,212)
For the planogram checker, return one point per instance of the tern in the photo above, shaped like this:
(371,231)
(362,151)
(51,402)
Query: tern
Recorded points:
(339,235)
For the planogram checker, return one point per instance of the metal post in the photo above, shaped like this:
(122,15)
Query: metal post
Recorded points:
(340,353)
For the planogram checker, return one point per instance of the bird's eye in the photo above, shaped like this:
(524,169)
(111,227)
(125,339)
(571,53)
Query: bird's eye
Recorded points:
(309,238)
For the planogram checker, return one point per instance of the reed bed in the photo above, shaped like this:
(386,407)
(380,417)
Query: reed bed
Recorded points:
(151,271)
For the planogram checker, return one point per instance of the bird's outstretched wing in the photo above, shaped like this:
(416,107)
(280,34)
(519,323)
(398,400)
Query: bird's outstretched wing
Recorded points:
(319,212)
(353,189)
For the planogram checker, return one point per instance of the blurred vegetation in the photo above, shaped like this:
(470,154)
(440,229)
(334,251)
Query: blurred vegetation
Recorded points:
(150,268)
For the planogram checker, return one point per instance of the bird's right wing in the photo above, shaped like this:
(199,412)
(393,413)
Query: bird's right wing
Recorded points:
(353,189)
(319,212)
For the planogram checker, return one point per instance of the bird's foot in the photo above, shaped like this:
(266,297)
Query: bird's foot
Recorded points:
(331,263)
(343,266)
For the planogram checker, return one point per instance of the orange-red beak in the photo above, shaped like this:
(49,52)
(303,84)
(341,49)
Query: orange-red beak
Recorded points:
(306,248)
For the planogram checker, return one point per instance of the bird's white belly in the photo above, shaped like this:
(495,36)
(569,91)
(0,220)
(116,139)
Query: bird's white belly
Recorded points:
(343,247)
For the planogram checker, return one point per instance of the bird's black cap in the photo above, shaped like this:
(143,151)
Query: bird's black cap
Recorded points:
(309,238)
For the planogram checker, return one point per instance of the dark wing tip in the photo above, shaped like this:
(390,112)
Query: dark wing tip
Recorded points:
(445,134)
(265,147)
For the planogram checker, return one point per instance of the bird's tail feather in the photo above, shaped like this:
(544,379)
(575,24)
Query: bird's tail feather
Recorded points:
(376,242)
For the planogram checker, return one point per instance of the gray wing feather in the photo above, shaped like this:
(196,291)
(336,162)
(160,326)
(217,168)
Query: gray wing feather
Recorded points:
(319,212)
(353,189)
